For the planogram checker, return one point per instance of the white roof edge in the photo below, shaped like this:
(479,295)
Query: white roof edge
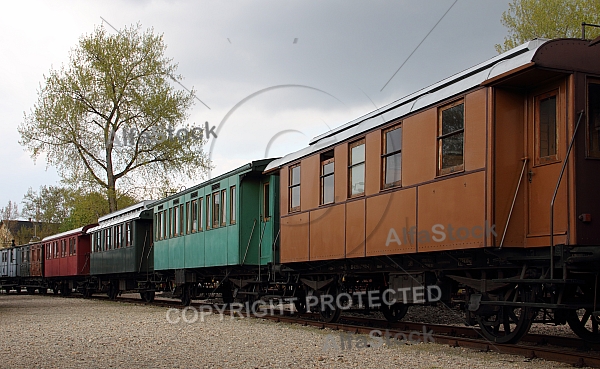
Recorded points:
(63,234)
(365,122)
(143,205)
(123,215)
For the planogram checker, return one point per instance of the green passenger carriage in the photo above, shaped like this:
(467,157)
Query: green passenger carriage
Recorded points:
(220,235)
(122,257)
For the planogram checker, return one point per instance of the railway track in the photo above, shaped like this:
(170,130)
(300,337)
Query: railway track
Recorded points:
(572,351)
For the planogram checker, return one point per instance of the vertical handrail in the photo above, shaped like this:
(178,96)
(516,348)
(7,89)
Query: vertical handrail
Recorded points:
(562,172)
(249,240)
(525,159)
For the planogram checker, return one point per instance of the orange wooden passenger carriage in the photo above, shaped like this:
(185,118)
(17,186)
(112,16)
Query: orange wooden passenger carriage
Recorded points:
(456,189)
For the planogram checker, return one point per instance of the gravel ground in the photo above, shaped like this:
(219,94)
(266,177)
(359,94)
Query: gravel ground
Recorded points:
(54,332)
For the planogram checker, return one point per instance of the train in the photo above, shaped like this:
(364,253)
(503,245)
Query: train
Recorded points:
(481,188)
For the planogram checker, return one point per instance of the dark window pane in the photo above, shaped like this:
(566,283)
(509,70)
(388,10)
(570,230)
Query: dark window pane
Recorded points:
(393,140)
(357,154)
(357,184)
(548,126)
(328,189)
(393,168)
(594,119)
(266,204)
(295,197)
(452,150)
(453,119)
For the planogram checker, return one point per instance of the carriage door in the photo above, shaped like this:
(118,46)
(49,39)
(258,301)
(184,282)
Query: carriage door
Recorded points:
(546,150)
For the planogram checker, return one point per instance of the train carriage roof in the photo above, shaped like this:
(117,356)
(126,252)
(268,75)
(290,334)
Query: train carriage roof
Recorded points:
(129,213)
(77,231)
(257,165)
(519,57)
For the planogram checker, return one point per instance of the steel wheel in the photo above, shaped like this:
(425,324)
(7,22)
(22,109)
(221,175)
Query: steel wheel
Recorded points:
(186,296)
(147,296)
(330,313)
(113,291)
(507,324)
(583,324)
(395,312)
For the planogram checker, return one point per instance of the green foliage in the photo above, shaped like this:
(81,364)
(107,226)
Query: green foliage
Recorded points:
(114,83)
(529,19)
(87,208)
(49,205)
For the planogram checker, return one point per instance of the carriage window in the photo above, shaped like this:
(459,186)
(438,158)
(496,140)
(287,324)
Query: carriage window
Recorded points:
(188,218)
(594,120)
(158,224)
(392,157)
(207,211)
(327,179)
(223,207)
(547,127)
(294,188)
(119,236)
(194,216)
(266,203)
(175,224)
(200,214)
(451,135)
(356,169)
(181,220)
(109,245)
(165,225)
(216,207)
(128,234)
(232,208)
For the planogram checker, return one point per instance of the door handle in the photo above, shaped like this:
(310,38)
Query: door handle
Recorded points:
(529,175)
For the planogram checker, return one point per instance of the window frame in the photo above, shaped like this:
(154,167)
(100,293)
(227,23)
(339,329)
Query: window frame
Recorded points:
(323,176)
(232,205)
(291,187)
(208,212)
(440,137)
(266,203)
(223,207)
(216,210)
(200,214)
(539,159)
(128,234)
(385,156)
(589,154)
(352,145)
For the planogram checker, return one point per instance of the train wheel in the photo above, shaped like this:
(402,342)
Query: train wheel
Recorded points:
(186,296)
(394,313)
(30,290)
(227,295)
(65,290)
(584,325)
(18,290)
(87,291)
(300,301)
(7,290)
(55,289)
(113,291)
(330,312)
(147,296)
(507,324)
(43,291)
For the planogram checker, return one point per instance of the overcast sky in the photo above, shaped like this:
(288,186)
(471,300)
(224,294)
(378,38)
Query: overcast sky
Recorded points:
(333,56)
